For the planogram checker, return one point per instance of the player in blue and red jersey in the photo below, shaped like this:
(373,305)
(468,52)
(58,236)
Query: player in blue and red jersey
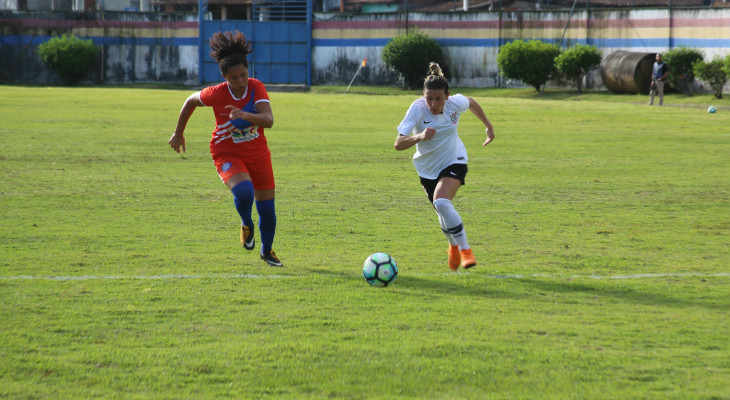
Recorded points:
(238,146)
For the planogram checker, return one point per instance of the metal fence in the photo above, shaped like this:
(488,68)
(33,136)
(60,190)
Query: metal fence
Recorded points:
(279,10)
(281,32)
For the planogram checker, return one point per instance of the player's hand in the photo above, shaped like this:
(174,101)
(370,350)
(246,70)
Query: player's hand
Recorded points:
(490,136)
(428,134)
(177,142)
(236,113)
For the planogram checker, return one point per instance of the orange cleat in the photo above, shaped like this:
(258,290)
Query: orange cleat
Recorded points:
(467,259)
(454,257)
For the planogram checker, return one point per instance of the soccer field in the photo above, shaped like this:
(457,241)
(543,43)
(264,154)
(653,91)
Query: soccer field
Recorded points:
(601,228)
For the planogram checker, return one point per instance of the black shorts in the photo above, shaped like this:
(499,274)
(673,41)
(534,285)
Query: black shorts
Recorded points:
(456,171)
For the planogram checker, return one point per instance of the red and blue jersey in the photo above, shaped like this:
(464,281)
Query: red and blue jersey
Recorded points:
(237,135)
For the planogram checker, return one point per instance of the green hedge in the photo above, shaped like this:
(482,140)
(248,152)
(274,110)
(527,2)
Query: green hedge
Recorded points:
(410,55)
(69,57)
(529,61)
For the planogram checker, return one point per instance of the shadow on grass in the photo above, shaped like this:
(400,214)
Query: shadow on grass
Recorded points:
(552,290)
(455,287)
(653,296)
(436,285)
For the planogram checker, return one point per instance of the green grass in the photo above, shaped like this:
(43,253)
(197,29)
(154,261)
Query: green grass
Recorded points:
(601,227)
(702,100)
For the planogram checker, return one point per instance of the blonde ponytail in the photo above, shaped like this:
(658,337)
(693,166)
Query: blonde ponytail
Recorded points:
(435,79)
(435,69)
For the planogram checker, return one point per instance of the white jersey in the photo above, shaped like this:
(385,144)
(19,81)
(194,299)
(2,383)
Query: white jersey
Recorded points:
(446,148)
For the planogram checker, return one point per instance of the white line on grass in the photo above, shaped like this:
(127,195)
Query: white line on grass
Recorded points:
(97,277)
(593,276)
(250,276)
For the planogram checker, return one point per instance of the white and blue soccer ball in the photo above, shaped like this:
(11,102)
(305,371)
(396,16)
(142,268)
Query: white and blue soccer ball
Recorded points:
(380,270)
(711,109)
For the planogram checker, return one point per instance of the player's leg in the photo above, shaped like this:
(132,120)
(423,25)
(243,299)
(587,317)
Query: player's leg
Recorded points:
(266,207)
(445,192)
(262,175)
(235,175)
(454,257)
(429,186)
(450,182)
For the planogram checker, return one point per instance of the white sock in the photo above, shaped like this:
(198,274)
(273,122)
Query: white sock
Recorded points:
(452,221)
(446,232)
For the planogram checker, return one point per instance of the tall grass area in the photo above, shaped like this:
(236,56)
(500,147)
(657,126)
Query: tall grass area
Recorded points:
(601,228)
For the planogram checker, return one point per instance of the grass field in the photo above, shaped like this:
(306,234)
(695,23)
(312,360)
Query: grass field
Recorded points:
(601,227)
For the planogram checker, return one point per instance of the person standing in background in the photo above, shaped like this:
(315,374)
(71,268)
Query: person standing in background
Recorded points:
(659,74)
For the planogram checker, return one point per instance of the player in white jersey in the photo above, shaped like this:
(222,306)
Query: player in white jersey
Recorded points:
(431,125)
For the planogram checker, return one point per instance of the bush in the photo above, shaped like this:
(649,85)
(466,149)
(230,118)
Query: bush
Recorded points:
(681,63)
(713,73)
(69,57)
(575,62)
(410,55)
(531,62)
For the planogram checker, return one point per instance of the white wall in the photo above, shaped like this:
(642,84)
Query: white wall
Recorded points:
(341,41)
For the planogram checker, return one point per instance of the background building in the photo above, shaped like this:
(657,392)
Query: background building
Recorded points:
(296,44)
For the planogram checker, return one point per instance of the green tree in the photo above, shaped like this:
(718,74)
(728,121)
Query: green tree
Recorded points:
(410,54)
(69,57)
(681,63)
(713,73)
(575,62)
(529,61)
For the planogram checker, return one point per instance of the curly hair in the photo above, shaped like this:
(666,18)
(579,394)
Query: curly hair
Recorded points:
(229,49)
(435,79)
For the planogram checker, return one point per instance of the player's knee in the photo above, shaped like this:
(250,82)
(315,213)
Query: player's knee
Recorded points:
(443,205)
(243,190)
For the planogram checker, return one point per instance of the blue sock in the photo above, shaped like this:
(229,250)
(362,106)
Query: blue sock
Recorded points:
(243,199)
(267,224)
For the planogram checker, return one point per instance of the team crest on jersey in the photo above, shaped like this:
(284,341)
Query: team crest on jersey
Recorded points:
(454,117)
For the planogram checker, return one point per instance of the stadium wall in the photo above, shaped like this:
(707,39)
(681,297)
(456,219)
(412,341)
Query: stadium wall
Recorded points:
(472,40)
(136,47)
(163,47)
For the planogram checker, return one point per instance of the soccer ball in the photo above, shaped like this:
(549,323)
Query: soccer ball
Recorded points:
(711,110)
(380,270)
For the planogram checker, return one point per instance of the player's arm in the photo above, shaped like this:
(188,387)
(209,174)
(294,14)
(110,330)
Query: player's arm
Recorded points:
(177,141)
(478,111)
(263,117)
(403,142)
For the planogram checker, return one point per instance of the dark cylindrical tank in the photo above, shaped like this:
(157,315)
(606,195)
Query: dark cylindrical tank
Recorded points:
(627,72)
